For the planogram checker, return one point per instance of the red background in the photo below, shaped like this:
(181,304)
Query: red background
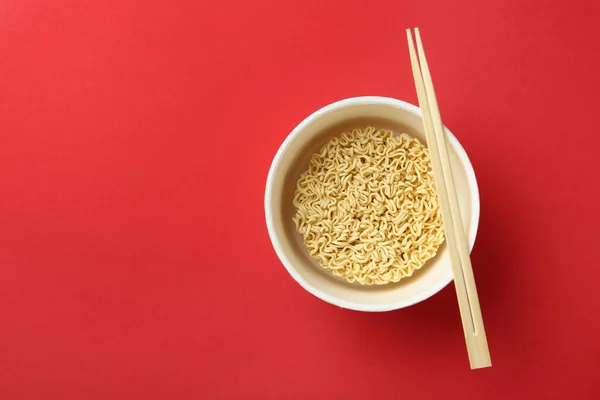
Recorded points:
(135,139)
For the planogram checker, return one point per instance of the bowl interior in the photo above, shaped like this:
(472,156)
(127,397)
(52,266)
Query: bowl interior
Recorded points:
(292,160)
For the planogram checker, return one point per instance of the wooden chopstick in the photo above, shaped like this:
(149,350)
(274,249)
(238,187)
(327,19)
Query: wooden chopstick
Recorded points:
(466,291)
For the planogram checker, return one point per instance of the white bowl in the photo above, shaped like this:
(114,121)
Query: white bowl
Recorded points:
(292,159)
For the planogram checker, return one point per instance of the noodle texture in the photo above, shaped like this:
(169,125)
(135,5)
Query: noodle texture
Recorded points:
(366,207)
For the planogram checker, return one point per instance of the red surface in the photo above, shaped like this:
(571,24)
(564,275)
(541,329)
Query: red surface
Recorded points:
(135,139)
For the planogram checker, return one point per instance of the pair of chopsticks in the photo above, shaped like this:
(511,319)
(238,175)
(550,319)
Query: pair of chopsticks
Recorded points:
(468,301)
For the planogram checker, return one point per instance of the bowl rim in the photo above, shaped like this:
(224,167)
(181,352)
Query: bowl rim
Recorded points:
(353,101)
